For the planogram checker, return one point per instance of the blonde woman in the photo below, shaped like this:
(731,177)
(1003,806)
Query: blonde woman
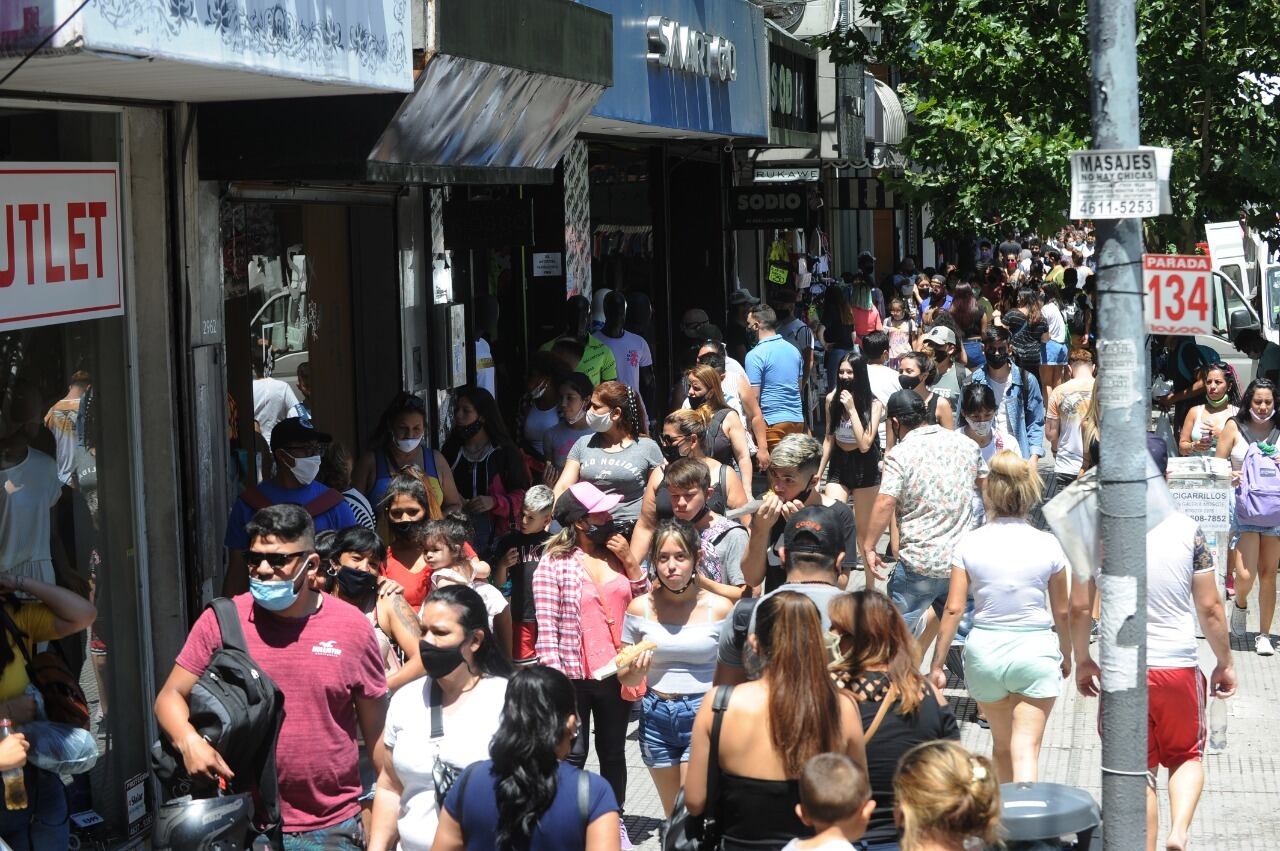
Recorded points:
(1014,662)
(947,798)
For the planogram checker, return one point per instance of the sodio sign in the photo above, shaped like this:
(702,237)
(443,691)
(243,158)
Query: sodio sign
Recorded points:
(59,243)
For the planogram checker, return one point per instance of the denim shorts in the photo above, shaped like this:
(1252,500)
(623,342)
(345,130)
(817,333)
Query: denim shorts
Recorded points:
(1052,353)
(1238,528)
(666,729)
(1000,662)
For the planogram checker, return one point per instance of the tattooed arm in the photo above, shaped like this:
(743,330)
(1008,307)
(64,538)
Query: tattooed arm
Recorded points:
(398,620)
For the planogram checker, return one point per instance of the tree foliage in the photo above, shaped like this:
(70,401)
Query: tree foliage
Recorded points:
(998,97)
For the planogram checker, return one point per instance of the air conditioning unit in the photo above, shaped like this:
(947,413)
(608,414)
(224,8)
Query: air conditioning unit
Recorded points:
(803,19)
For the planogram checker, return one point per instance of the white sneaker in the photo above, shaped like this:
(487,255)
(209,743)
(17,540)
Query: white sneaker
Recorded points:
(1263,646)
(1238,618)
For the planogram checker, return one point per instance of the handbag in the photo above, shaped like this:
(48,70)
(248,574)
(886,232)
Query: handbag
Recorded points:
(629,693)
(890,695)
(64,700)
(443,775)
(685,831)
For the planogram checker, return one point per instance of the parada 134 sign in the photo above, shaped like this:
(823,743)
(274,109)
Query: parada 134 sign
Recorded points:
(59,243)
(1178,295)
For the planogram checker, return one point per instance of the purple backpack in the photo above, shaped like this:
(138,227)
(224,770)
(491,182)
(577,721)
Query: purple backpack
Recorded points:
(1258,494)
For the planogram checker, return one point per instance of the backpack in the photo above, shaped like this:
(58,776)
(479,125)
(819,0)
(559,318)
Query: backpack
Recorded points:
(237,708)
(1258,494)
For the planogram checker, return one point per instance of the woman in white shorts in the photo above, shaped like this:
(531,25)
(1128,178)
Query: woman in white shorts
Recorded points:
(1014,663)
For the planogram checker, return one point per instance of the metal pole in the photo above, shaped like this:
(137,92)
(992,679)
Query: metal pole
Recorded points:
(1124,401)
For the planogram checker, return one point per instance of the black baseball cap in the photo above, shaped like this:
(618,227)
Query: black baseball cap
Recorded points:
(904,403)
(294,432)
(814,529)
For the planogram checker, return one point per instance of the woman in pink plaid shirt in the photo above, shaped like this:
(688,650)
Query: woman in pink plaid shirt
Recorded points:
(586,579)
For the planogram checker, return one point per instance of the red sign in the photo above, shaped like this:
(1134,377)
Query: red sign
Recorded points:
(1179,298)
(60,256)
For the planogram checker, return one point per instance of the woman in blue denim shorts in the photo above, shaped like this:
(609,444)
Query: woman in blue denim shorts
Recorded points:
(681,623)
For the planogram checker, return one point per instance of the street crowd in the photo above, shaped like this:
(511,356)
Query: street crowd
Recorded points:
(845,484)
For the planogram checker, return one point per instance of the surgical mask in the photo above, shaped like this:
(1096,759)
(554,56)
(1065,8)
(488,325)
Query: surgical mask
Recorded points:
(980,427)
(439,662)
(575,420)
(909,382)
(404,447)
(599,422)
(276,595)
(998,360)
(602,533)
(356,583)
(408,530)
(1258,419)
(306,468)
(466,432)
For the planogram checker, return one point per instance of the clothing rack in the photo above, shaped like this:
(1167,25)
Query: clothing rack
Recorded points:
(622,241)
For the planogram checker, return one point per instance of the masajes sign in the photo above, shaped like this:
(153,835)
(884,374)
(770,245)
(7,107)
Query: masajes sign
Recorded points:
(681,48)
(60,244)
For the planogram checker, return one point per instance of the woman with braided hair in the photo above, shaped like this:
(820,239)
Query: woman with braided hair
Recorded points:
(616,457)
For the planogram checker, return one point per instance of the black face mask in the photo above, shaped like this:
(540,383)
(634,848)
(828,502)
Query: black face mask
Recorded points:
(909,382)
(439,661)
(602,533)
(670,452)
(845,384)
(804,495)
(693,580)
(696,401)
(999,360)
(407,530)
(468,431)
(356,583)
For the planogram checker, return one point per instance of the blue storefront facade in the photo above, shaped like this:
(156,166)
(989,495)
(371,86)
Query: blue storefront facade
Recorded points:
(690,93)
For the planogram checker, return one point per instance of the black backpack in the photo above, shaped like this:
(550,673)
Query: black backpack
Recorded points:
(237,708)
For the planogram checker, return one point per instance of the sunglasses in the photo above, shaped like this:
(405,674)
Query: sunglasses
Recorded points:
(276,561)
(669,440)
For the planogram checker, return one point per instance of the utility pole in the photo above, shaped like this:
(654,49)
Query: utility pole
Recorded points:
(1124,402)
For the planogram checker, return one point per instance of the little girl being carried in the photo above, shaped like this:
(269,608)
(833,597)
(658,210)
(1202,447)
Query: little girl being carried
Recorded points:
(443,548)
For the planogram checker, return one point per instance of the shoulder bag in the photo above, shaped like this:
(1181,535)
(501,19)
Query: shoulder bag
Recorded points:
(890,695)
(443,774)
(685,831)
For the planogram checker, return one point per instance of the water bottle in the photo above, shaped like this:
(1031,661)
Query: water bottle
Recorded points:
(15,785)
(1218,724)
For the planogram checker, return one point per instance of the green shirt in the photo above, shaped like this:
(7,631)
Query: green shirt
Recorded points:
(597,361)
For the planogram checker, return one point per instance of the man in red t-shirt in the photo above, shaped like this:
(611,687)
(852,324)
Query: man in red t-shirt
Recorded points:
(323,655)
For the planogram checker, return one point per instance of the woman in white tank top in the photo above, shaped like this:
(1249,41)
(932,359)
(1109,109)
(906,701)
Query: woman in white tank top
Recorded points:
(1257,549)
(1204,423)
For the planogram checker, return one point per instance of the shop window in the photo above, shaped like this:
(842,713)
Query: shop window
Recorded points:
(67,499)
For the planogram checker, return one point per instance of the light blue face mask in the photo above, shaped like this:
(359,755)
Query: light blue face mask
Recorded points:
(278,594)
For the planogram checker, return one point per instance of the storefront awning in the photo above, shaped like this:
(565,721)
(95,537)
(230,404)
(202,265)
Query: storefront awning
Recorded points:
(891,120)
(505,89)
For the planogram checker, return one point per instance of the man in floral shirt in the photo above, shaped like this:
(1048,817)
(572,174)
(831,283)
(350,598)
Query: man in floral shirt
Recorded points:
(927,484)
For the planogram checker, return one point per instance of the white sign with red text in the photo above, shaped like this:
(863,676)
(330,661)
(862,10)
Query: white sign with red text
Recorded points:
(1179,298)
(60,254)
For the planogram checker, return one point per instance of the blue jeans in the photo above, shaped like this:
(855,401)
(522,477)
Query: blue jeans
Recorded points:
(44,824)
(344,836)
(914,594)
(666,729)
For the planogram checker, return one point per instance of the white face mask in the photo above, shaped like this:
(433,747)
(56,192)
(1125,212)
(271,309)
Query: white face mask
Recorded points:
(577,419)
(981,428)
(306,469)
(406,446)
(599,422)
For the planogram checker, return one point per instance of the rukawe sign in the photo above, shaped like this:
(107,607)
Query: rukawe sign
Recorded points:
(59,243)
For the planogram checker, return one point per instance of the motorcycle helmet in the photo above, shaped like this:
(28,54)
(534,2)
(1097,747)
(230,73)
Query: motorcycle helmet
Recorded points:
(205,824)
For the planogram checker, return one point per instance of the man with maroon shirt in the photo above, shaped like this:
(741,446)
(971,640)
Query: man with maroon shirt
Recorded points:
(322,654)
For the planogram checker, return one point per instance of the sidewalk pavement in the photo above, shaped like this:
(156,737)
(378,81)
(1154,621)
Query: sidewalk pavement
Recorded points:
(1238,810)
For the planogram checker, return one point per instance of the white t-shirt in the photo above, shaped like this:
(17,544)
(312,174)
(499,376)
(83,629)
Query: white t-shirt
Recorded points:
(494,603)
(469,724)
(1000,389)
(273,401)
(1176,552)
(630,353)
(1009,563)
(1053,318)
(484,367)
(884,383)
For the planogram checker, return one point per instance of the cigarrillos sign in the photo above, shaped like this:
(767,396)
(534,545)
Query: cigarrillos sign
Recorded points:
(60,253)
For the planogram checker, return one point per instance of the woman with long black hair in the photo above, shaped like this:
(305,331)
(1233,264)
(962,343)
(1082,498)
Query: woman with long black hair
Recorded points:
(440,723)
(526,795)
(852,445)
(487,466)
(1027,329)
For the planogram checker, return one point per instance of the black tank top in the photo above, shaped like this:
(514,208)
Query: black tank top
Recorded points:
(761,811)
(715,442)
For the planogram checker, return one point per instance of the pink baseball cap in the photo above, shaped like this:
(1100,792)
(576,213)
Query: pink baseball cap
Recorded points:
(582,499)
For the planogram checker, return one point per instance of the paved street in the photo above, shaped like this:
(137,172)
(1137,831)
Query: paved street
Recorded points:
(1238,810)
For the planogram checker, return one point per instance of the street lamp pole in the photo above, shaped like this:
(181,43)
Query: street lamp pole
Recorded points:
(1124,403)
